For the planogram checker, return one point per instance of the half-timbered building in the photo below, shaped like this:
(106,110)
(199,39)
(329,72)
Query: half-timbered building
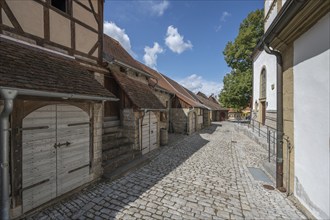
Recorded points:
(223,113)
(186,113)
(217,113)
(132,126)
(51,84)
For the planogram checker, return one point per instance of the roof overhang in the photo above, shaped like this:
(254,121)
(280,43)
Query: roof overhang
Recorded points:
(122,64)
(286,14)
(37,93)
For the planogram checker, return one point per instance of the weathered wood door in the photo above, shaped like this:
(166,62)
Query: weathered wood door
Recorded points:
(192,122)
(72,148)
(149,132)
(56,141)
(263,113)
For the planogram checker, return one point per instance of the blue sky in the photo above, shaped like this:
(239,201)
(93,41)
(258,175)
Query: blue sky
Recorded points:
(181,39)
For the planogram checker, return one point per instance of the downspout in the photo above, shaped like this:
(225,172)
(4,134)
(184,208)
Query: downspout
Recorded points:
(9,96)
(279,119)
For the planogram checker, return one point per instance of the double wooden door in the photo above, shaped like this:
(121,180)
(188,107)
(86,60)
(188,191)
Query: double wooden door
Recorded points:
(56,143)
(149,132)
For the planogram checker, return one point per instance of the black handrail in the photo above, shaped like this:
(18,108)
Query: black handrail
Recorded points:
(264,131)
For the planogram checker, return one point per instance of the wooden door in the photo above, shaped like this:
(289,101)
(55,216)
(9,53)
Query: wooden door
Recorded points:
(73,148)
(153,131)
(192,122)
(263,112)
(39,157)
(149,132)
(55,153)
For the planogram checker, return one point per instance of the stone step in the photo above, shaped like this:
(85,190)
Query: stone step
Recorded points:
(114,153)
(109,124)
(113,138)
(111,118)
(115,145)
(111,130)
(113,164)
(138,161)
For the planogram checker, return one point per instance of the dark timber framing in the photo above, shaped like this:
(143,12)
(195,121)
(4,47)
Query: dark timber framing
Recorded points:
(72,50)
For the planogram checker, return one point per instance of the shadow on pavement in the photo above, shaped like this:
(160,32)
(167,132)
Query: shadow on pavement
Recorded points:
(105,199)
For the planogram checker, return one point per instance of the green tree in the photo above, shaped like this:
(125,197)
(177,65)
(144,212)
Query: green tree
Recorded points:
(237,90)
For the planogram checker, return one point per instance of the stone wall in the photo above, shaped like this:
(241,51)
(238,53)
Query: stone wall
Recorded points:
(130,124)
(99,77)
(271,119)
(165,99)
(178,120)
(137,76)
(97,119)
(288,112)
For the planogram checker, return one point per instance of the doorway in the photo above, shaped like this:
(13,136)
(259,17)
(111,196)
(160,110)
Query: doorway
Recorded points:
(55,157)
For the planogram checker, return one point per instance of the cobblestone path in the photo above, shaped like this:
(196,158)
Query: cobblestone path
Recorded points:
(203,176)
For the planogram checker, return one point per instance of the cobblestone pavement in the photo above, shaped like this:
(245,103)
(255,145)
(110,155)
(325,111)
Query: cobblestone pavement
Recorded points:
(203,176)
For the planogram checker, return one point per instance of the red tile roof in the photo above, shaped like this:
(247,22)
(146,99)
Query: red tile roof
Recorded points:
(26,67)
(139,93)
(212,105)
(213,99)
(173,87)
(113,51)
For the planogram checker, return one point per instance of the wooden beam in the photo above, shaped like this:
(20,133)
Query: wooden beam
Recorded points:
(73,29)
(94,12)
(11,16)
(96,45)
(1,14)
(101,17)
(82,5)
(46,21)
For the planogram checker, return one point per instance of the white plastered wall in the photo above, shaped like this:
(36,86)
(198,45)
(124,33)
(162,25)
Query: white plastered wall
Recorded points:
(268,62)
(311,118)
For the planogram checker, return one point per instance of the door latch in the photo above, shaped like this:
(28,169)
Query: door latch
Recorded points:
(59,144)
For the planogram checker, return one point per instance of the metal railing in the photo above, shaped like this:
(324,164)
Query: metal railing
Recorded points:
(264,131)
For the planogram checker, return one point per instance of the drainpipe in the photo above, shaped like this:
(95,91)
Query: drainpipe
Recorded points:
(279,120)
(9,96)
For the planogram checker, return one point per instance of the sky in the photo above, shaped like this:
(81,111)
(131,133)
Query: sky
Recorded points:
(181,39)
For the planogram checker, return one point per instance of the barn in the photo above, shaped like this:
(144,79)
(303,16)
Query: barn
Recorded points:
(52,139)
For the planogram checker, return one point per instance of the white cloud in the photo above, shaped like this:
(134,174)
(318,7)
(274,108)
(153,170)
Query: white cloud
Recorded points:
(223,19)
(218,28)
(150,56)
(117,33)
(152,7)
(224,16)
(175,41)
(159,7)
(196,83)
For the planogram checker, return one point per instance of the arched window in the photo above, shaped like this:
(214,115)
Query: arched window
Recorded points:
(263,84)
